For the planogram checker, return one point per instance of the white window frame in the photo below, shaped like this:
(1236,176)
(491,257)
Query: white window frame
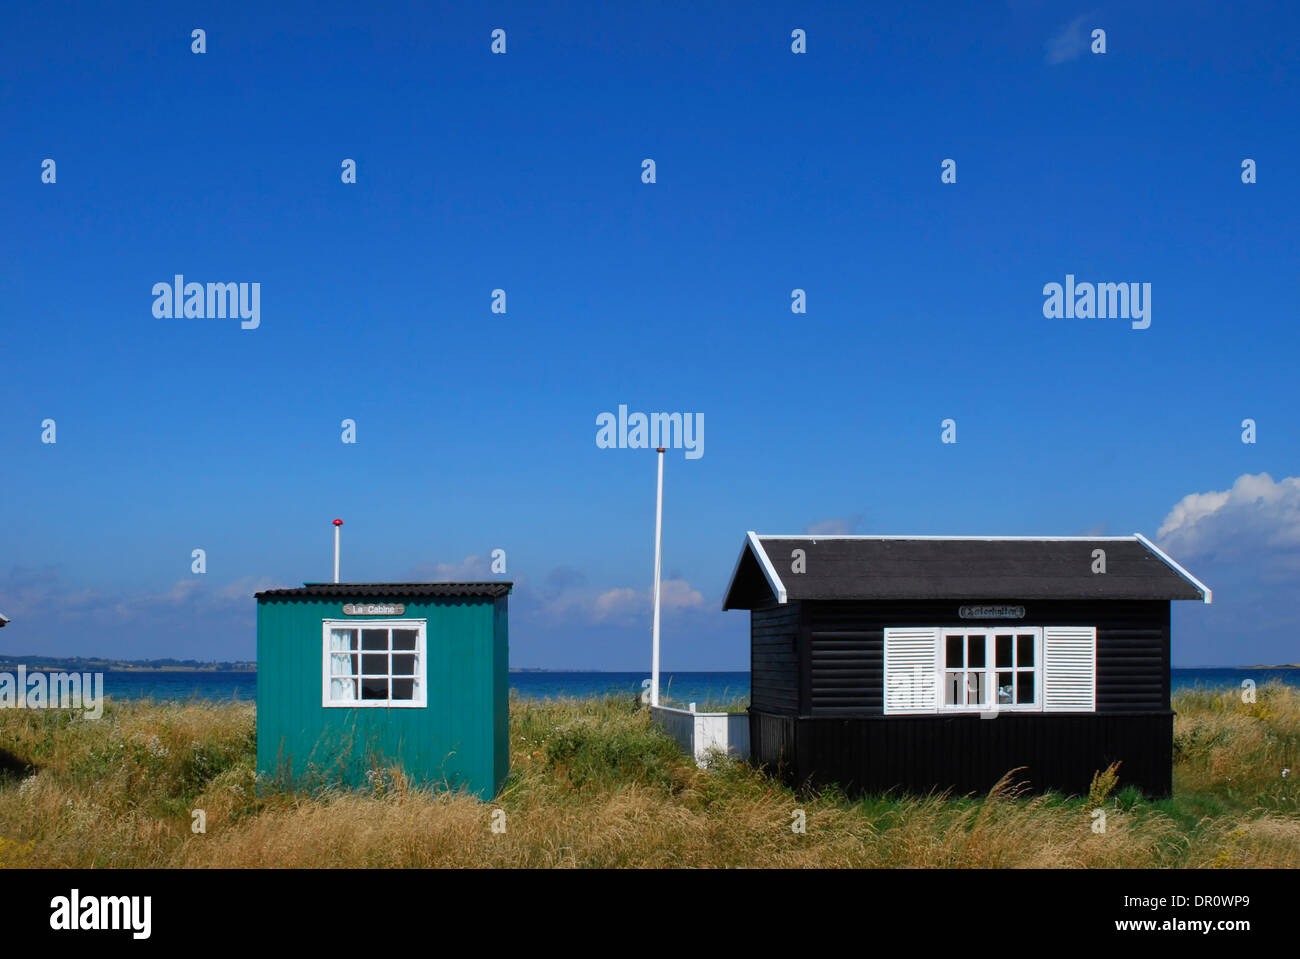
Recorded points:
(421,663)
(915,669)
(990,668)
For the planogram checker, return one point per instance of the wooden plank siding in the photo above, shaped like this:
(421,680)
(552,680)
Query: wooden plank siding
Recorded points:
(818,687)
(845,648)
(966,753)
(773,663)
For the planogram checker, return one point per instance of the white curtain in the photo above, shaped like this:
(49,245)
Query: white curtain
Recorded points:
(342,688)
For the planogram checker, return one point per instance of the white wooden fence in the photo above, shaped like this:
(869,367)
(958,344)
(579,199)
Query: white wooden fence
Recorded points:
(701,734)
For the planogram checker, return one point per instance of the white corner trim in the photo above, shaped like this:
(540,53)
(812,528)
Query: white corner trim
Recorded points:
(769,570)
(1206,592)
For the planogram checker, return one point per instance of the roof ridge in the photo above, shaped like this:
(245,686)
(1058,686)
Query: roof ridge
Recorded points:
(446,589)
(922,568)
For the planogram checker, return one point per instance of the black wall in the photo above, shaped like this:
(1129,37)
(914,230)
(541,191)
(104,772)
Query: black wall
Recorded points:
(773,658)
(817,679)
(967,753)
(827,658)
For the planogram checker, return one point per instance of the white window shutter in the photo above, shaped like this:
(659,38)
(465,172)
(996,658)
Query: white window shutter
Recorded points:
(911,664)
(1070,669)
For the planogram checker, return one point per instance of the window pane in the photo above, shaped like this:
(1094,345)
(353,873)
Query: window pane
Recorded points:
(374,664)
(343,690)
(1025,690)
(374,639)
(1006,685)
(403,688)
(952,689)
(343,664)
(954,652)
(374,689)
(1025,650)
(404,638)
(341,639)
(403,665)
(1004,652)
(975,651)
(976,694)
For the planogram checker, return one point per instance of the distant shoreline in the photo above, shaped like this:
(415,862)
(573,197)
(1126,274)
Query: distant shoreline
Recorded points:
(96,664)
(48,663)
(1281,666)
(92,663)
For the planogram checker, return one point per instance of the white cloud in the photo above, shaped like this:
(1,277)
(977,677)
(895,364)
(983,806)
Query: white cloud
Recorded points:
(192,617)
(562,595)
(835,526)
(471,569)
(41,592)
(1256,517)
(676,594)
(578,604)
(245,587)
(1068,42)
(1244,542)
(616,604)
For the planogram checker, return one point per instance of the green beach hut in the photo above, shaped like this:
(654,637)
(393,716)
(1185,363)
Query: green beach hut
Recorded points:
(355,677)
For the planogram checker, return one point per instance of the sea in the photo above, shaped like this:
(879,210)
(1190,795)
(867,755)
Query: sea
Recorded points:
(702,688)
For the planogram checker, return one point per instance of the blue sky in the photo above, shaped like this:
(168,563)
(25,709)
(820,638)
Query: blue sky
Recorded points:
(522,172)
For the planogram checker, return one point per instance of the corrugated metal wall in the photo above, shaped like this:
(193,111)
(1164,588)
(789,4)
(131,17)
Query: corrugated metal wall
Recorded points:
(500,693)
(459,738)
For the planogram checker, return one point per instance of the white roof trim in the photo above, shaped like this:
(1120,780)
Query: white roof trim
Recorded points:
(1035,539)
(731,581)
(1205,590)
(769,571)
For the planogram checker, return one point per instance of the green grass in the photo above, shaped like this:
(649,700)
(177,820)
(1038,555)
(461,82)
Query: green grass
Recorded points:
(594,783)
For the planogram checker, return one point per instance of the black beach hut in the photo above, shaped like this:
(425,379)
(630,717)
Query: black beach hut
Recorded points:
(919,662)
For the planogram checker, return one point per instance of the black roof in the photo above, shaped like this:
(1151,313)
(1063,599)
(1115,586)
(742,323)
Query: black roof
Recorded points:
(973,568)
(390,590)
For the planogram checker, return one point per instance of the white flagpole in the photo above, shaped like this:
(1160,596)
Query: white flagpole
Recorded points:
(337,524)
(659,525)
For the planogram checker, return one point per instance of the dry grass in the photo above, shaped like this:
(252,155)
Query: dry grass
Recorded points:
(594,784)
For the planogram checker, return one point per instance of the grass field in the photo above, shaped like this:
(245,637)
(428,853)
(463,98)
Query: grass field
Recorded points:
(593,783)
